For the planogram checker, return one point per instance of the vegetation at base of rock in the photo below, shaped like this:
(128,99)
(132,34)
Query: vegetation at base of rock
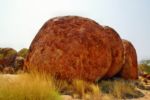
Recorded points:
(23,52)
(120,88)
(27,87)
(110,89)
(144,75)
(37,86)
(79,89)
(144,66)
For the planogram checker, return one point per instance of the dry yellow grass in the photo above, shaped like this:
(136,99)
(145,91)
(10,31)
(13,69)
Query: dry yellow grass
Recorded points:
(27,87)
(35,86)
(79,89)
(120,89)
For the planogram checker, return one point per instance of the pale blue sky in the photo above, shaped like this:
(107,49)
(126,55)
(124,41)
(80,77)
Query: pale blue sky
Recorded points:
(20,20)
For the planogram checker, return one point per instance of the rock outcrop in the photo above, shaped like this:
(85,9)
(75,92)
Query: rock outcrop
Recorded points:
(11,61)
(7,56)
(8,70)
(130,68)
(70,47)
(19,63)
(117,50)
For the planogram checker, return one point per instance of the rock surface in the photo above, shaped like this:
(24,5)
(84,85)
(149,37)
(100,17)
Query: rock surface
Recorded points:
(10,59)
(130,67)
(19,63)
(117,50)
(70,47)
(8,70)
(7,56)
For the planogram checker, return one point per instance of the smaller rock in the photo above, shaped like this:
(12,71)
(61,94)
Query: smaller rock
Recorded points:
(129,69)
(1,68)
(19,63)
(8,70)
(144,75)
(148,76)
(7,56)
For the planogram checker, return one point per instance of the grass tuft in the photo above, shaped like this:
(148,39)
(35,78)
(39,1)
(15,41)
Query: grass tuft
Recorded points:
(27,87)
(39,86)
(120,88)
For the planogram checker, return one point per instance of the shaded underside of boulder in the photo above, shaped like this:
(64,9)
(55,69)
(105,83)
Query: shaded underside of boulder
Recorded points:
(117,50)
(70,47)
(130,67)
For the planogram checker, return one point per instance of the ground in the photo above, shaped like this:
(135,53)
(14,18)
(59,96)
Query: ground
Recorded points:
(146,93)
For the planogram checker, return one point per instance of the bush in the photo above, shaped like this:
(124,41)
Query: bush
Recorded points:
(120,88)
(144,68)
(7,52)
(23,52)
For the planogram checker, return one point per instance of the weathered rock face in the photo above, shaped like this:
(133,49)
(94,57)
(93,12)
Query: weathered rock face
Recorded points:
(129,68)
(19,63)
(8,70)
(117,50)
(70,47)
(7,56)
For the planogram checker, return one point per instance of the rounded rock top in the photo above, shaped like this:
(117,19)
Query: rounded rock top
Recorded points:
(70,47)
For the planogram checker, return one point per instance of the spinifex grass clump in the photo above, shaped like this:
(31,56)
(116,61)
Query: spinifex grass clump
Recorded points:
(27,87)
(38,86)
(120,88)
(79,89)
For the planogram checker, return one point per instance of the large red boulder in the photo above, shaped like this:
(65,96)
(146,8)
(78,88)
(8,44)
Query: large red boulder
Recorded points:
(130,67)
(117,50)
(70,47)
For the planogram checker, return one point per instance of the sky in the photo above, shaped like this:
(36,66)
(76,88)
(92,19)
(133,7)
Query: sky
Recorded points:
(20,20)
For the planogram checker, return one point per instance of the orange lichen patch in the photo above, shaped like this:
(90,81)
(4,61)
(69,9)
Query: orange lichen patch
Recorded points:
(117,50)
(129,68)
(70,47)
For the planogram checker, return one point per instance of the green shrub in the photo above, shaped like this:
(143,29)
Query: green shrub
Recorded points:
(144,68)
(7,52)
(11,52)
(23,52)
